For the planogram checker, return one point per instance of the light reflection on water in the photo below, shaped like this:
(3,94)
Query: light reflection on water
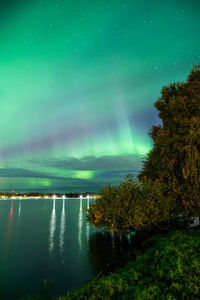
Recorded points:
(62,228)
(80,223)
(52,229)
(19,210)
(49,239)
(8,232)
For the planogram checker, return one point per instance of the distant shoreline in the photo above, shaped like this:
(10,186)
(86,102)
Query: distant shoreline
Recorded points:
(37,198)
(20,196)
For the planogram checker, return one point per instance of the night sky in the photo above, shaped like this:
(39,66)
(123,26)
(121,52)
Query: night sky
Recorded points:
(78,80)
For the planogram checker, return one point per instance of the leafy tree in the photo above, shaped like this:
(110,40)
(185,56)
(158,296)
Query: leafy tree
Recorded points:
(153,211)
(174,160)
(168,193)
(113,210)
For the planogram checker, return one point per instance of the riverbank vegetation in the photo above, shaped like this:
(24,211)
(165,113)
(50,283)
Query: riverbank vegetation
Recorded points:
(168,269)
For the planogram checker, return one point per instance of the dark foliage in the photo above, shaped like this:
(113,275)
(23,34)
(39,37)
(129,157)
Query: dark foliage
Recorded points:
(167,194)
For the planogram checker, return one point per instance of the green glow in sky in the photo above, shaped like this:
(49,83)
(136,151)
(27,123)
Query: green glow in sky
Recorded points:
(78,80)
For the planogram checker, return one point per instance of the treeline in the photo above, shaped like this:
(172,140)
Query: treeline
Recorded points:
(166,193)
(42,195)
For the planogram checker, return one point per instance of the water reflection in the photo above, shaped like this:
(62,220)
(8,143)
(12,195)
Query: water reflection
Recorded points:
(107,251)
(87,223)
(66,243)
(8,231)
(62,227)
(80,223)
(19,210)
(113,240)
(88,202)
(52,229)
(11,211)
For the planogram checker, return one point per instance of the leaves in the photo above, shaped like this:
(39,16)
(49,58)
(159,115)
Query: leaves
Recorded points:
(175,158)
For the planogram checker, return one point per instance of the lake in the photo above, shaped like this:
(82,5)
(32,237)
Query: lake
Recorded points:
(47,246)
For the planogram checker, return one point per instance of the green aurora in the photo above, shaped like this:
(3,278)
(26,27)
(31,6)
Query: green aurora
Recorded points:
(78,80)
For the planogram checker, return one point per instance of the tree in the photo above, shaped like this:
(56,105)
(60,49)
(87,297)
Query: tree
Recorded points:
(174,160)
(113,210)
(168,191)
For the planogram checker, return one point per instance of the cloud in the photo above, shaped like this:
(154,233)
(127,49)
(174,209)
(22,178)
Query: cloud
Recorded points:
(26,180)
(71,174)
(119,162)
(17,172)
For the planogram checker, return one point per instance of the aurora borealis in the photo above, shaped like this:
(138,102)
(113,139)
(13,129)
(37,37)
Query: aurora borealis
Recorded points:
(78,80)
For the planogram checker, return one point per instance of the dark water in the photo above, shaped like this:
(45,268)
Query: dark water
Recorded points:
(50,241)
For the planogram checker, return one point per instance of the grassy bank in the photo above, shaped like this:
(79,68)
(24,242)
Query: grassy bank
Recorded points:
(169,268)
